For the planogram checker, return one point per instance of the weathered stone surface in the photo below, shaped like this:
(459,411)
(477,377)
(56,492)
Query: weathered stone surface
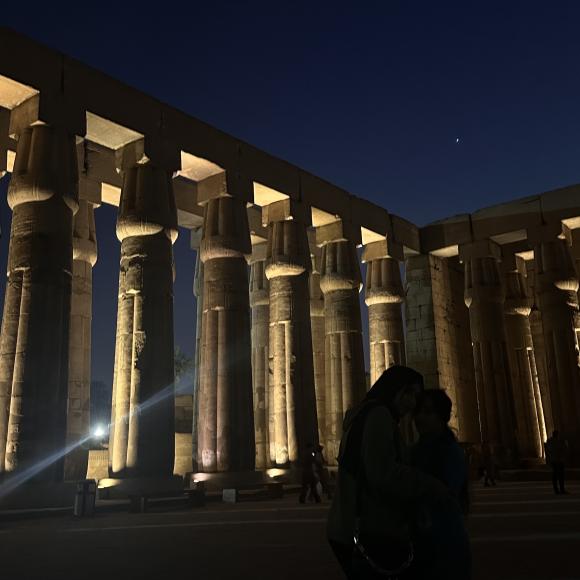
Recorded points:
(292,395)
(198,293)
(225,434)
(260,304)
(317,328)
(485,296)
(557,287)
(142,435)
(529,414)
(384,296)
(183,435)
(79,364)
(340,282)
(439,338)
(34,339)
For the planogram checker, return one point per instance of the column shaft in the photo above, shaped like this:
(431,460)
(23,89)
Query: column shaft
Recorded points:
(198,292)
(384,297)
(557,288)
(142,438)
(34,338)
(340,282)
(225,427)
(529,416)
(292,379)
(484,296)
(79,366)
(259,302)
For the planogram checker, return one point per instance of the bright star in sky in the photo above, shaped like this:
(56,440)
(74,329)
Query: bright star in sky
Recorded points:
(457,140)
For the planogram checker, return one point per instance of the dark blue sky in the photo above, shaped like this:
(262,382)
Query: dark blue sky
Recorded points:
(370,96)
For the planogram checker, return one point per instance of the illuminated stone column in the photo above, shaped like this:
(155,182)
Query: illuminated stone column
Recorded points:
(573,239)
(34,340)
(79,364)
(384,296)
(293,401)
(225,435)
(260,304)
(198,293)
(557,287)
(142,437)
(317,327)
(537,329)
(340,282)
(529,415)
(484,296)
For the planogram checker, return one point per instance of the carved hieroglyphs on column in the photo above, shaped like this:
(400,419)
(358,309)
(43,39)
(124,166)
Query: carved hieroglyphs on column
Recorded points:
(557,287)
(384,296)
(79,364)
(142,437)
(340,282)
(529,415)
(484,296)
(293,401)
(318,329)
(260,304)
(34,339)
(225,433)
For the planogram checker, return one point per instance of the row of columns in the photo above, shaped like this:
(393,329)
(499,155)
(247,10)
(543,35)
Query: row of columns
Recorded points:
(264,387)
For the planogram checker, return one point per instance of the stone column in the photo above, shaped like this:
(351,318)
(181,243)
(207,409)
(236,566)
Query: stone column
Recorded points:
(340,282)
(529,415)
(142,438)
(573,239)
(79,364)
(557,288)
(34,339)
(293,401)
(484,296)
(260,304)
(198,293)
(537,328)
(317,327)
(225,434)
(384,296)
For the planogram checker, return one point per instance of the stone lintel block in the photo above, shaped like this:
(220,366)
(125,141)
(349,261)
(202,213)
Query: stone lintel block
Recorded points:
(185,191)
(545,233)
(479,249)
(442,234)
(258,233)
(323,195)
(367,215)
(406,233)
(4,138)
(90,190)
(337,231)
(561,204)
(51,109)
(259,252)
(573,239)
(386,248)
(154,149)
(286,209)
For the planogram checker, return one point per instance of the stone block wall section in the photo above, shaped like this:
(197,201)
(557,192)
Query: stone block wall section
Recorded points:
(438,335)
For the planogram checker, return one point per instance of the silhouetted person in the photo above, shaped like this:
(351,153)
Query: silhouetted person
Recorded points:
(373,510)
(556,450)
(309,477)
(488,460)
(442,543)
(321,471)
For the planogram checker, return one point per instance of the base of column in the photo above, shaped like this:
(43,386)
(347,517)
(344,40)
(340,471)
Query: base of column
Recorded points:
(243,479)
(111,488)
(39,495)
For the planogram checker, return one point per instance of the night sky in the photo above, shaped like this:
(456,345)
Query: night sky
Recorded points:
(371,97)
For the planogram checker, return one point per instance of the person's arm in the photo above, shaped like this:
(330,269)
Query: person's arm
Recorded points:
(384,472)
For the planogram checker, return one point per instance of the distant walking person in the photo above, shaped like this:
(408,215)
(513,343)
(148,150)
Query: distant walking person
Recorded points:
(556,451)
(488,459)
(309,477)
(321,471)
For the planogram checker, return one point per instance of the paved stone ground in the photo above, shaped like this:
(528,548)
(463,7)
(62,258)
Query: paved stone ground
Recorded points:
(519,530)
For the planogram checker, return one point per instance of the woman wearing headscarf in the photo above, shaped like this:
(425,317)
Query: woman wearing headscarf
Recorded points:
(370,523)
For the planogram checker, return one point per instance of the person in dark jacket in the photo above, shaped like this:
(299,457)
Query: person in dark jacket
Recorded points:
(376,491)
(442,542)
(309,477)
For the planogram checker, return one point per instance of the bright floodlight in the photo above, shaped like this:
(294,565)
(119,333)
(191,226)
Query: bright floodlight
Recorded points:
(99,431)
